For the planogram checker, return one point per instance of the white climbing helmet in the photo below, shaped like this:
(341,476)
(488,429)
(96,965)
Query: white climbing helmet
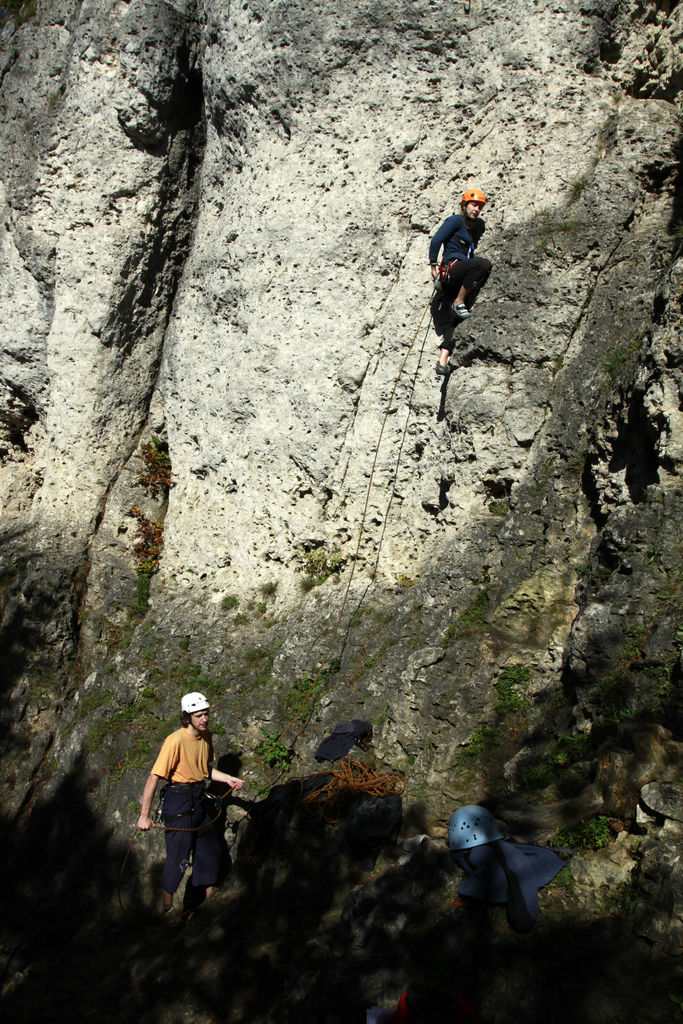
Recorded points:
(193,702)
(472,826)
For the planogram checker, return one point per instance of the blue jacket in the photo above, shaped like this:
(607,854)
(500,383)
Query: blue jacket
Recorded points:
(456,240)
(508,873)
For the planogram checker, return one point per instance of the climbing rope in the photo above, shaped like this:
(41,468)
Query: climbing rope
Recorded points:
(351,779)
(361,531)
(168,828)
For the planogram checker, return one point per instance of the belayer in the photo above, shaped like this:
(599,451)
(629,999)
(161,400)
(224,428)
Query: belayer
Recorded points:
(461,273)
(185,760)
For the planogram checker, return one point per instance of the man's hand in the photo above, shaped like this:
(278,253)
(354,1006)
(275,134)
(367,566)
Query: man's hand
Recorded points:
(144,822)
(229,780)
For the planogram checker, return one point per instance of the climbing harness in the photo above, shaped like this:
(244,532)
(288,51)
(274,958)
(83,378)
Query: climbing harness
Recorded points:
(444,271)
(197,789)
(159,825)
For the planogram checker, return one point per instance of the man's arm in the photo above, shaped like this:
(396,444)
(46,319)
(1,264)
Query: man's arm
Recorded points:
(145,821)
(442,236)
(230,780)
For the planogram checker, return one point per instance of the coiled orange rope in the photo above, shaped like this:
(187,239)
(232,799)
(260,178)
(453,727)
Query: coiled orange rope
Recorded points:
(350,780)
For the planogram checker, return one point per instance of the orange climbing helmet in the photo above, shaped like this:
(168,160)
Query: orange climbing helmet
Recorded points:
(473,195)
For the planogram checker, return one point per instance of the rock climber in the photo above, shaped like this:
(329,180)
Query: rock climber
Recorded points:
(461,274)
(185,761)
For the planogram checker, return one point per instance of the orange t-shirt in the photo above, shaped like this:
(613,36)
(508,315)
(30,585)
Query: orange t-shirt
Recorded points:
(184,758)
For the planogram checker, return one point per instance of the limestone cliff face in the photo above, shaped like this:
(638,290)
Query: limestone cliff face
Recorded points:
(215,221)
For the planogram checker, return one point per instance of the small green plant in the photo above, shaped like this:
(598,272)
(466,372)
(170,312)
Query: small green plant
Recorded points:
(554,766)
(620,356)
(379,718)
(127,733)
(672,588)
(549,226)
(149,542)
(678,1005)
(405,582)
(260,660)
(621,900)
(576,462)
(357,616)
(633,647)
(196,678)
(92,702)
(20,11)
(654,554)
(304,695)
(468,622)
(229,602)
(484,738)
(499,508)
(268,589)
(273,751)
(536,776)
(613,695)
(510,680)
(318,565)
(661,676)
(565,226)
(577,189)
(593,834)
(155,475)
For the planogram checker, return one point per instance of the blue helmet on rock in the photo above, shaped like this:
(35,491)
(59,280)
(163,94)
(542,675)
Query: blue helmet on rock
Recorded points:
(472,826)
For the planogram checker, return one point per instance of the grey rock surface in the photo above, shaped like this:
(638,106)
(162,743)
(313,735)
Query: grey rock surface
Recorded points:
(213,247)
(663,798)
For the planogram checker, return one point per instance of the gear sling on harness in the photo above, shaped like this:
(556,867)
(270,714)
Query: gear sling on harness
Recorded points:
(473,273)
(188,815)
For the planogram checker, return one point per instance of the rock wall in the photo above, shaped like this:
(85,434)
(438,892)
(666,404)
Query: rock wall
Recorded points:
(215,220)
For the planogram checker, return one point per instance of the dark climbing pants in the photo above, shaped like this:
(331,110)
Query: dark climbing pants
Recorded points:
(473,274)
(186,808)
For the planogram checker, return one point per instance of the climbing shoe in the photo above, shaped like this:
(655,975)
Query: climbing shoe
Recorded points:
(443,371)
(460,311)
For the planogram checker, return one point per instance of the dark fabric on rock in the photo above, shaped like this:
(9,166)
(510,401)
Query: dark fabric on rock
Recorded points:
(372,822)
(342,739)
(509,874)
(282,799)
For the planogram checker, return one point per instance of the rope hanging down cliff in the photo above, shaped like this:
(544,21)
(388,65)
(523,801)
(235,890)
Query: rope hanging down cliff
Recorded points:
(328,650)
(352,780)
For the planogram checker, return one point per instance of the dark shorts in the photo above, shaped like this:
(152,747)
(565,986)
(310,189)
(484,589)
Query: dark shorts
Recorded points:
(187,808)
(472,274)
